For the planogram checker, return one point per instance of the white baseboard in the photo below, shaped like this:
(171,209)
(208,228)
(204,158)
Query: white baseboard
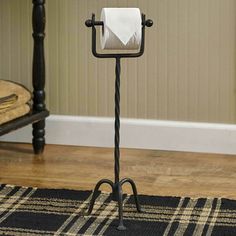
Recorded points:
(135,133)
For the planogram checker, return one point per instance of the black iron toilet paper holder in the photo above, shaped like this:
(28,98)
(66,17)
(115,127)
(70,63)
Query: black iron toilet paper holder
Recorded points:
(117,194)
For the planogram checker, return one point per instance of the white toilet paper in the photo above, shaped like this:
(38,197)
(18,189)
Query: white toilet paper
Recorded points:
(122,28)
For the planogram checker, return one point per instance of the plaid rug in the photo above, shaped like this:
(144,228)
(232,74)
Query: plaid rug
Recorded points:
(32,211)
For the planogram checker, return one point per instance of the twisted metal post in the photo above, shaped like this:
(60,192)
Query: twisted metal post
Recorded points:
(117,122)
(117,193)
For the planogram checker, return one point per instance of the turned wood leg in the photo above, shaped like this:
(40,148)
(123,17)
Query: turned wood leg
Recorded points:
(38,22)
(38,136)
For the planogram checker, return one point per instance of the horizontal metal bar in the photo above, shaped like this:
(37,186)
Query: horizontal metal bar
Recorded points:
(92,22)
(98,23)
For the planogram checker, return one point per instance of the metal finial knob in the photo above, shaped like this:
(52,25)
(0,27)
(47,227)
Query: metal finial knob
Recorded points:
(149,23)
(89,23)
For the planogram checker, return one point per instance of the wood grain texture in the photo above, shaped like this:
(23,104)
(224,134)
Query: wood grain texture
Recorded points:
(155,172)
(187,72)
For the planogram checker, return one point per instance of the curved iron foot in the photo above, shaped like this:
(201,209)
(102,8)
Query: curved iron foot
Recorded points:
(128,180)
(117,195)
(92,201)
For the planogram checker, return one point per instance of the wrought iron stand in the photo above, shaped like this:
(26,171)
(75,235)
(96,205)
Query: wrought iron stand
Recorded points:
(116,186)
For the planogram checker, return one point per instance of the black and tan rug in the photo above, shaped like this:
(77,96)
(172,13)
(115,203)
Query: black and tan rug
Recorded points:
(32,211)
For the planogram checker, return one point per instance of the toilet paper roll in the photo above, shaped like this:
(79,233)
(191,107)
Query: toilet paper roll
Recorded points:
(122,28)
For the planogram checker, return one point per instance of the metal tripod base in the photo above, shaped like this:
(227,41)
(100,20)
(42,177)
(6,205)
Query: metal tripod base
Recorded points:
(117,195)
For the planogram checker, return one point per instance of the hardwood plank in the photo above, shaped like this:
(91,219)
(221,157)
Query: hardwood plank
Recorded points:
(155,172)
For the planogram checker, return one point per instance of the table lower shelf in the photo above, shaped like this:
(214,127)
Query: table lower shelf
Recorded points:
(23,121)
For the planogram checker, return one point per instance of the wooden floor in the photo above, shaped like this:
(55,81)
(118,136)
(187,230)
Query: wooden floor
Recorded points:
(155,172)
